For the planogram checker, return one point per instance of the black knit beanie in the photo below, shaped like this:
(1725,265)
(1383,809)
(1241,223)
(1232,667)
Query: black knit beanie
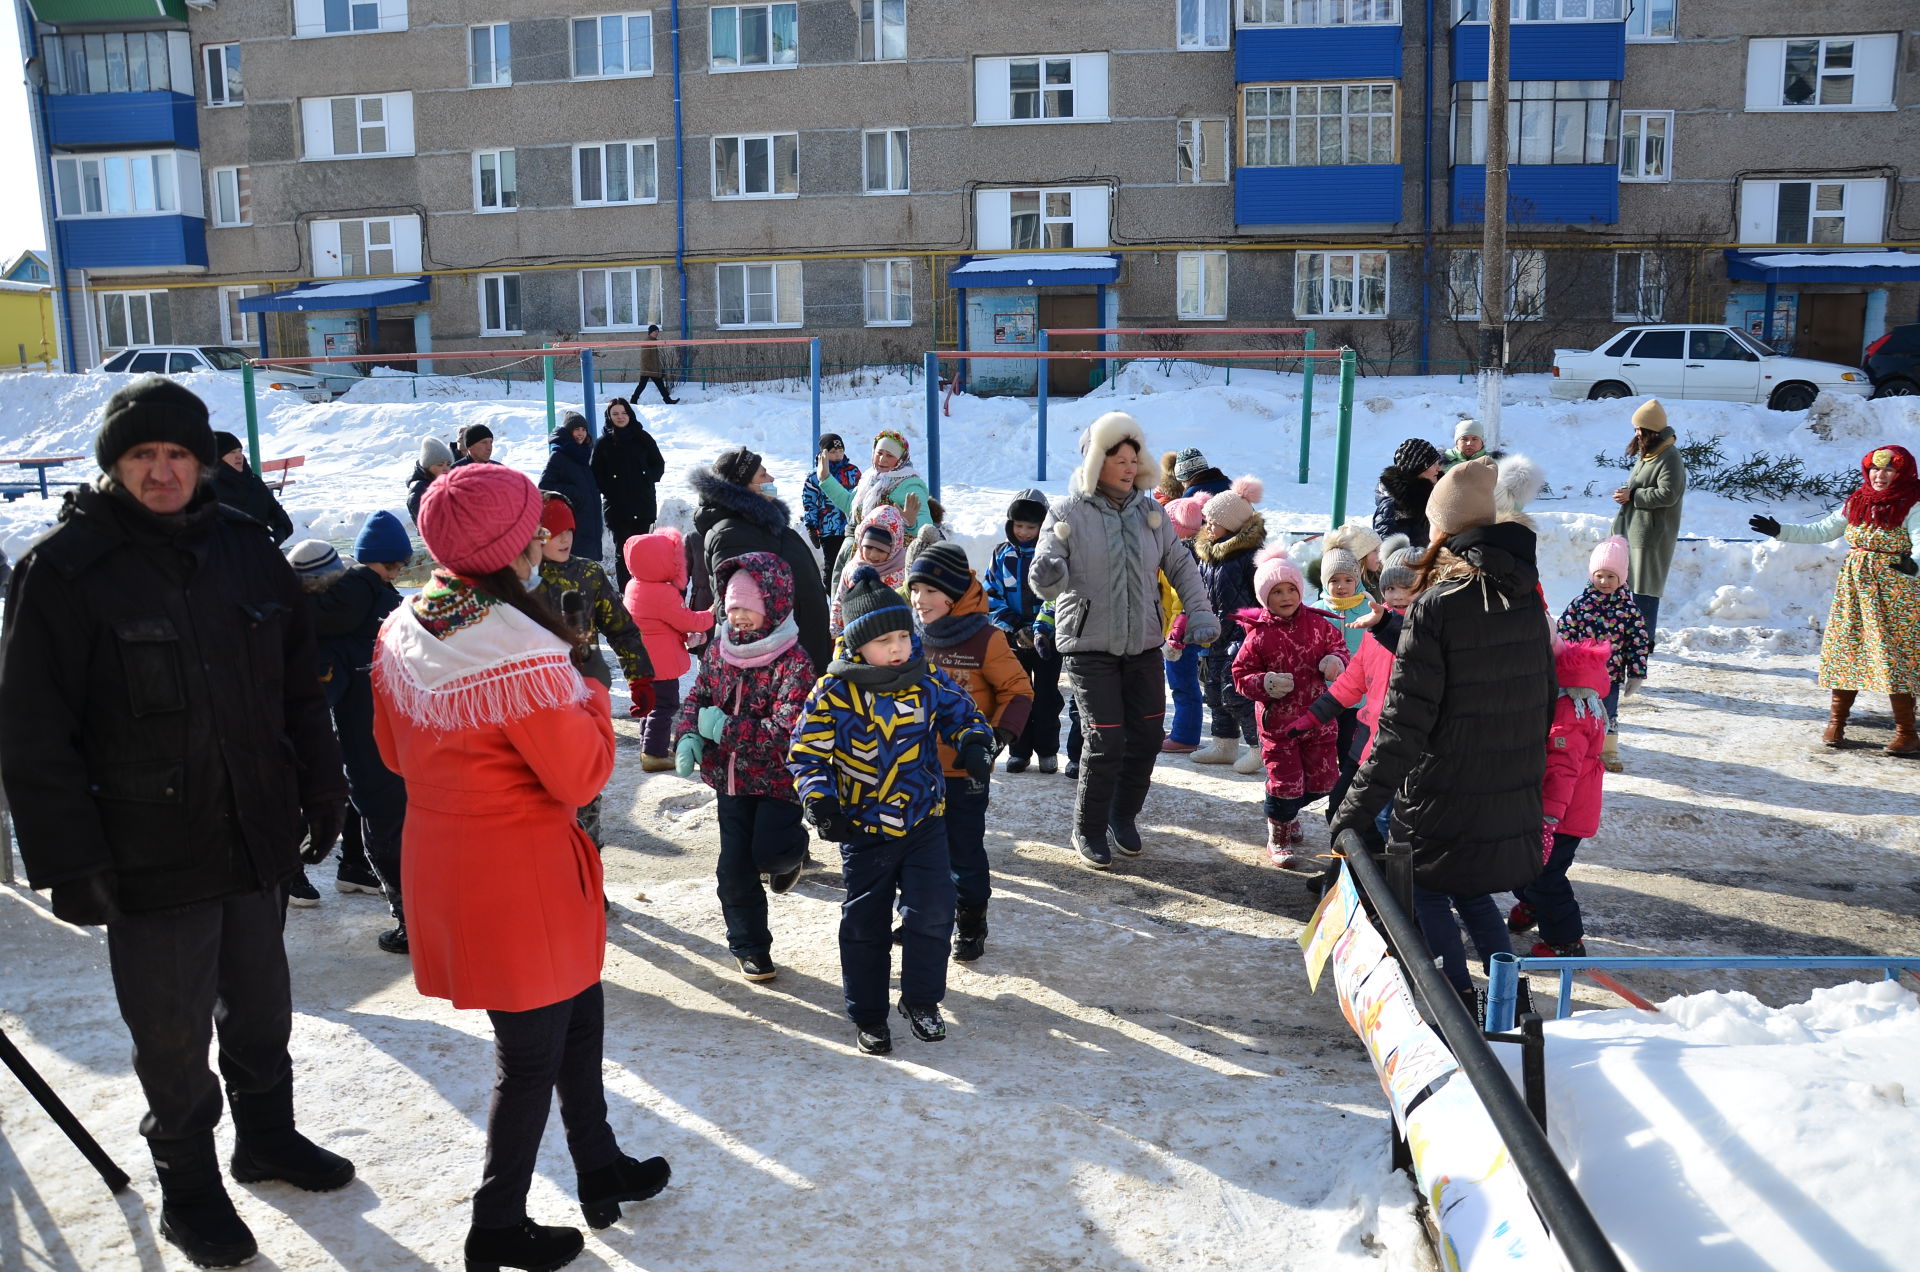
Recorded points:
(737,466)
(474,433)
(943,565)
(1415,455)
(225,443)
(153,409)
(869,609)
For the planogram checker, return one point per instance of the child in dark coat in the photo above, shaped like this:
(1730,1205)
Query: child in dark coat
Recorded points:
(734,726)
(1228,540)
(1572,799)
(1607,611)
(1014,608)
(867,765)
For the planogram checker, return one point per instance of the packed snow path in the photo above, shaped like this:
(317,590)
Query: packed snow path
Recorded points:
(1135,1076)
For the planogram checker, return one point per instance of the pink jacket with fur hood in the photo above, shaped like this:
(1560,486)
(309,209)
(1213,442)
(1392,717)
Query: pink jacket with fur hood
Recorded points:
(1574,772)
(658,564)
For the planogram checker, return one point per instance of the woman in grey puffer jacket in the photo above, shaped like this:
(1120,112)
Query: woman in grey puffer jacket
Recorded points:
(1101,552)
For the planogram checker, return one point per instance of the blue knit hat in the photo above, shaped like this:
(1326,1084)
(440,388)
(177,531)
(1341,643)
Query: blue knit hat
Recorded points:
(869,609)
(383,540)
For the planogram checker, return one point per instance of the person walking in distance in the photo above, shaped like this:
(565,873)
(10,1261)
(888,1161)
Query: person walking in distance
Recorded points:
(653,369)
(626,465)
(165,743)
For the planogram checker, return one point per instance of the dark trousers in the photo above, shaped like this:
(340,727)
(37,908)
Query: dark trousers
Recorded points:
(1435,911)
(1076,736)
(1123,701)
(1183,683)
(829,553)
(1551,896)
(1352,738)
(656,731)
(759,835)
(183,974)
(379,794)
(1233,714)
(966,820)
(1649,610)
(915,870)
(1042,734)
(658,382)
(1280,809)
(1612,703)
(619,530)
(556,1048)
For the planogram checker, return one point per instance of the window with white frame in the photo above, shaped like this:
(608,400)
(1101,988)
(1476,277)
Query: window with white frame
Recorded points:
(362,246)
(1639,287)
(1202,278)
(1046,89)
(1646,141)
(619,299)
(759,294)
(232,197)
(1039,220)
(1549,10)
(1526,284)
(1201,152)
(613,45)
(142,184)
(753,37)
(1318,125)
(222,79)
(890,293)
(1340,284)
(500,305)
(1837,73)
(606,172)
(1261,13)
(237,328)
(496,181)
(489,55)
(1202,24)
(766,166)
(885,161)
(357,127)
(883,30)
(1650,20)
(118,62)
(134,318)
(1836,210)
(1548,121)
(347,17)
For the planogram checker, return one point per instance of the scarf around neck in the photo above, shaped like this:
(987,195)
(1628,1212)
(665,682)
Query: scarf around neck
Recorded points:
(763,648)
(457,659)
(950,630)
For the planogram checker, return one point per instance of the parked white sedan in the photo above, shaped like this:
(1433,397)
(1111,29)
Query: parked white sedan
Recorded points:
(1723,363)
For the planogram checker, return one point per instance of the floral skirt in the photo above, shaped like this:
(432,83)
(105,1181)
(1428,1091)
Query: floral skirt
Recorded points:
(1872,641)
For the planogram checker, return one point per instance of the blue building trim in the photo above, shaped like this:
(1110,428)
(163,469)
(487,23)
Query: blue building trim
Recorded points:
(1542,194)
(132,242)
(122,120)
(1316,53)
(1317,196)
(1546,51)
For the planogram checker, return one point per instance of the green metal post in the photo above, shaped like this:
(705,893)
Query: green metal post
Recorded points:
(1348,361)
(1306,409)
(546,371)
(253,414)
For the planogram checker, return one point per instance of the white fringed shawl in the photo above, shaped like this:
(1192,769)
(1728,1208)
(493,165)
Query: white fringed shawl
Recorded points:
(497,671)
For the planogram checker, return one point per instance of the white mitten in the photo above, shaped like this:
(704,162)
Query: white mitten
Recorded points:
(1278,684)
(1330,667)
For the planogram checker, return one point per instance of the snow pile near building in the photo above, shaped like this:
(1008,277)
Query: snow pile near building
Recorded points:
(1723,1134)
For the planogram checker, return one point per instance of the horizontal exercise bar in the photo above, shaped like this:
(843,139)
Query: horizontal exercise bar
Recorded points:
(1177,355)
(1177,331)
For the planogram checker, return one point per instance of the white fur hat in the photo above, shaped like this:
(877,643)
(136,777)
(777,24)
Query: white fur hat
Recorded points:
(1102,436)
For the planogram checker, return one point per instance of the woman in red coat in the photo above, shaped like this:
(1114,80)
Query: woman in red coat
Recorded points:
(481,707)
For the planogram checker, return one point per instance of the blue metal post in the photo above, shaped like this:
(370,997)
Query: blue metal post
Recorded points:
(1100,320)
(1503,992)
(813,374)
(1773,292)
(933,423)
(586,383)
(1040,434)
(679,188)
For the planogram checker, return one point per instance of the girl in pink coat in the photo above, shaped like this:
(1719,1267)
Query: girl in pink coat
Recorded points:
(1288,655)
(657,580)
(1572,798)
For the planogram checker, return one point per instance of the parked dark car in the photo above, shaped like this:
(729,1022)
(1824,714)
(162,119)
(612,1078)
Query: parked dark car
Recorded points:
(1893,361)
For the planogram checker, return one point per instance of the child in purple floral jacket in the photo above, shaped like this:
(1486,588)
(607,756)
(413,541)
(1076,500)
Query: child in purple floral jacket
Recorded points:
(1607,611)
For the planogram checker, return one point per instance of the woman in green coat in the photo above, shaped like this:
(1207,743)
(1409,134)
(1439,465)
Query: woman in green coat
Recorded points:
(1649,516)
(890,479)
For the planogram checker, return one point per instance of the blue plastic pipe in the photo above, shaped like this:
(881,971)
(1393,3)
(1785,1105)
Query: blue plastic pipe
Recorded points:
(1503,990)
(813,375)
(1040,435)
(586,383)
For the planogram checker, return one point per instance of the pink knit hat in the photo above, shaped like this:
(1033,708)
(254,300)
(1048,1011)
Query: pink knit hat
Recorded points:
(1276,567)
(1609,554)
(479,517)
(1186,515)
(743,592)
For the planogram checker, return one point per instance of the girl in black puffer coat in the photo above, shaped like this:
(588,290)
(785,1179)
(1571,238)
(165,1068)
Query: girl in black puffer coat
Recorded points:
(1400,500)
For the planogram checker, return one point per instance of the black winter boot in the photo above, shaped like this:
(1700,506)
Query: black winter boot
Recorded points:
(266,1144)
(969,933)
(195,1212)
(526,1246)
(601,1191)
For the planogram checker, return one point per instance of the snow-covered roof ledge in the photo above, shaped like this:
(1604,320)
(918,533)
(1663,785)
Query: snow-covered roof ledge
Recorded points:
(1823,267)
(1053,269)
(1839,260)
(1041,264)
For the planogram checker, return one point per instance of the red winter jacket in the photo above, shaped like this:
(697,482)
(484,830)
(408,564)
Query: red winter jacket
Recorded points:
(1573,786)
(658,565)
(1295,646)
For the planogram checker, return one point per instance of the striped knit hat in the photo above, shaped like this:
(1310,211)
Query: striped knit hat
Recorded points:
(870,609)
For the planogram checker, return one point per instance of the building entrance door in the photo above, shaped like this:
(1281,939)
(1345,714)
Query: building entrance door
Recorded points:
(1832,328)
(1064,375)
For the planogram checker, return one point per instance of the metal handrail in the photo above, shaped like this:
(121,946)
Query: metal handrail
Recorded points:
(1504,973)
(1561,1207)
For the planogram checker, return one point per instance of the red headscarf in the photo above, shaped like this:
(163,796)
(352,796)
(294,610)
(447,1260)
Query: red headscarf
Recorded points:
(1889,507)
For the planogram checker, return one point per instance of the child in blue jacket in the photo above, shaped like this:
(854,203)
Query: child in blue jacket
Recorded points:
(1015,608)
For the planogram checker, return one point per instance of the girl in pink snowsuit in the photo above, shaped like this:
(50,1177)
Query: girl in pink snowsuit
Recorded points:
(1289,654)
(1572,800)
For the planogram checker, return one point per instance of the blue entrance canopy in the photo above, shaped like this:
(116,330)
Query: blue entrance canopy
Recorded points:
(1823,267)
(360,293)
(1041,270)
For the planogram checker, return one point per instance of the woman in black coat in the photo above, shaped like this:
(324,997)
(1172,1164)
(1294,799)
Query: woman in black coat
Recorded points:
(569,472)
(627,465)
(1462,743)
(1400,500)
(738,514)
(236,485)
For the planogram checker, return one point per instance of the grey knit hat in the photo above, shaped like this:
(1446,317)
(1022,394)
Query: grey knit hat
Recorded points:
(1338,561)
(434,451)
(1399,571)
(1190,463)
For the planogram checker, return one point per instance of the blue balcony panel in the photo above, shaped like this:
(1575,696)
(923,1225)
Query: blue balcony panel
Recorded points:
(1355,193)
(1542,194)
(1547,51)
(123,120)
(133,242)
(1316,53)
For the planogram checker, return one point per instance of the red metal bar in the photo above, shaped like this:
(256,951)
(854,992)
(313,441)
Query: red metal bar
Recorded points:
(1176,355)
(1613,986)
(1208,330)
(637,344)
(572,346)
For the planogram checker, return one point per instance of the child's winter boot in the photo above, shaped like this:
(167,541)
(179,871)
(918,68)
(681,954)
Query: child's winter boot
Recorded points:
(1520,918)
(1567,949)
(969,933)
(1250,761)
(1217,751)
(1610,754)
(1905,740)
(1837,714)
(1280,841)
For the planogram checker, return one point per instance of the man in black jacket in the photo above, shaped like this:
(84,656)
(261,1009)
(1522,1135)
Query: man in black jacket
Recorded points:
(165,743)
(739,514)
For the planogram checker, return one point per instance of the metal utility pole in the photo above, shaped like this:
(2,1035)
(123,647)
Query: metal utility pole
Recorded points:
(1493,234)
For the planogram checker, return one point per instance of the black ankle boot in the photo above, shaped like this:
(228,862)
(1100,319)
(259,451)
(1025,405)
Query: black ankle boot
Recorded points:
(266,1145)
(525,1246)
(601,1191)
(969,933)
(195,1212)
